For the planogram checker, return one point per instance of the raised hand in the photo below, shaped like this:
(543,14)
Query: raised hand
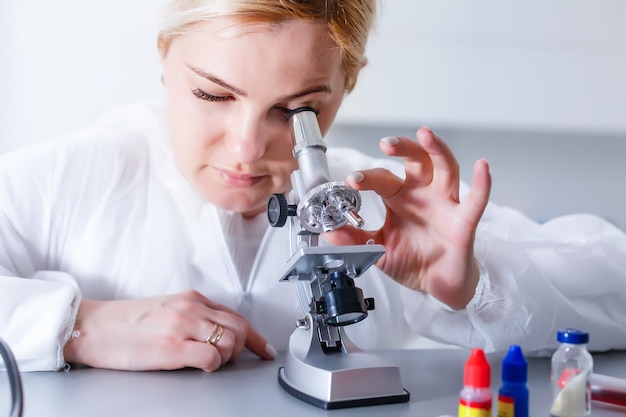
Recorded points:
(428,232)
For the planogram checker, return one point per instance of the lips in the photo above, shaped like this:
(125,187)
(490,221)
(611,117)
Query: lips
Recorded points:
(235,179)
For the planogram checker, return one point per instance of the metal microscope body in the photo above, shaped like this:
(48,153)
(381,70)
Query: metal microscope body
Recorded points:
(322,366)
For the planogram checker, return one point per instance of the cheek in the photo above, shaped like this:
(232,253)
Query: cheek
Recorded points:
(280,162)
(188,129)
(188,140)
(289,165)
(183,156)
(281,151)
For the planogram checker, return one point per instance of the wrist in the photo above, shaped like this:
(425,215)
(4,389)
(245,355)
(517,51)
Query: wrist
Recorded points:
(466,293)
(76,341)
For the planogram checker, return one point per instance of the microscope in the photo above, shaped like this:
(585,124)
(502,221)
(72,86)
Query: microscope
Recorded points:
(323,366)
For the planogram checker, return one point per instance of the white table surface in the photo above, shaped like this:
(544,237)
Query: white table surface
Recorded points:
(249,387)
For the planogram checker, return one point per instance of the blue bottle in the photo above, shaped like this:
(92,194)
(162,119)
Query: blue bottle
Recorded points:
(513,394)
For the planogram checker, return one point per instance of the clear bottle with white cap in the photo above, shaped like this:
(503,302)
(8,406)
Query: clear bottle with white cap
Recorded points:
(570,376)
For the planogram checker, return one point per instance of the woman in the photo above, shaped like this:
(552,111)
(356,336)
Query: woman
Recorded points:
(142,243)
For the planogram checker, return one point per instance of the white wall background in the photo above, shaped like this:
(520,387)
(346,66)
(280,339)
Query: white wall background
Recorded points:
(505,71)
(65,62)
(533,64)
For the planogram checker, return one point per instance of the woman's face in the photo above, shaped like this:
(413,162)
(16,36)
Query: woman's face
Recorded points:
(229,88)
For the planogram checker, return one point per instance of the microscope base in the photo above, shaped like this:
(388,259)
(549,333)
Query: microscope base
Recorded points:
(343,380)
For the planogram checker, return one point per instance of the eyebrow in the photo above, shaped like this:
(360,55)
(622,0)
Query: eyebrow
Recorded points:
(322,88)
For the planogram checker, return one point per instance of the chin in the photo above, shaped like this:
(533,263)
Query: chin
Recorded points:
(246,208)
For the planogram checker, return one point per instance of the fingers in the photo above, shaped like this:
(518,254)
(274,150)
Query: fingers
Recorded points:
(235,330)
(349,236)
(478,197)
(222,334)
(258,345)
(418,164)
(245,336)
(211,346)
(216,350)
(222,340)
(428,162)
(446,172)
(199,355)
(379,180)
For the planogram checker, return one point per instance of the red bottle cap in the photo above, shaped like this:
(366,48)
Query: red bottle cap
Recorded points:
(477,372)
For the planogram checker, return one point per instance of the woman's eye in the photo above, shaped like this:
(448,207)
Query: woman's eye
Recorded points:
(283,110)
(209,97)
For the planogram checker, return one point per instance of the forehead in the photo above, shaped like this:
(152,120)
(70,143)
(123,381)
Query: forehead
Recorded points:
(289,49)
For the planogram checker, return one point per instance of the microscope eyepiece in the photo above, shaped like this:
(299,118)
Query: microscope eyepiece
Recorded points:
(300,110)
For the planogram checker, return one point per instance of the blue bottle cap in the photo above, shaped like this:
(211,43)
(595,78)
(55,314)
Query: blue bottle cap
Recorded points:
(572,336)
(514,365)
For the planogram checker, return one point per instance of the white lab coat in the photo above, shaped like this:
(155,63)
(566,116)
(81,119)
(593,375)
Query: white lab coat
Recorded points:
(105,214)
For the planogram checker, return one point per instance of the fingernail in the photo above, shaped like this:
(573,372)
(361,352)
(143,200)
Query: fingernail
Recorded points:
(427,128)
(270,350)
(391,140)
(356,177)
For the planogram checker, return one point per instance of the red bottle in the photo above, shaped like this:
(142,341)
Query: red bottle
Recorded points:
(476,398)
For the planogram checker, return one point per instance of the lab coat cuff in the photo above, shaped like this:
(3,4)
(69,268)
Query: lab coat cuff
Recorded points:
(68,330)
(483,280)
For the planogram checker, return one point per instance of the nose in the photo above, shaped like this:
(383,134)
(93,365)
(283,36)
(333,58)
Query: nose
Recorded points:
(250,138)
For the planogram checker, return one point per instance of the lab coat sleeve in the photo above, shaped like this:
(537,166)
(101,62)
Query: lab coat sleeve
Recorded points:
(37,305)
(37,316)
(535,279)
(51,195)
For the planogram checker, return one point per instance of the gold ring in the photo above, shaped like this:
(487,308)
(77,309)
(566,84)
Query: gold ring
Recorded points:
(216,335)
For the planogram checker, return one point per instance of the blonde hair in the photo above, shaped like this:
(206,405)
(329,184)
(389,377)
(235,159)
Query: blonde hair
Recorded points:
(349,22)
